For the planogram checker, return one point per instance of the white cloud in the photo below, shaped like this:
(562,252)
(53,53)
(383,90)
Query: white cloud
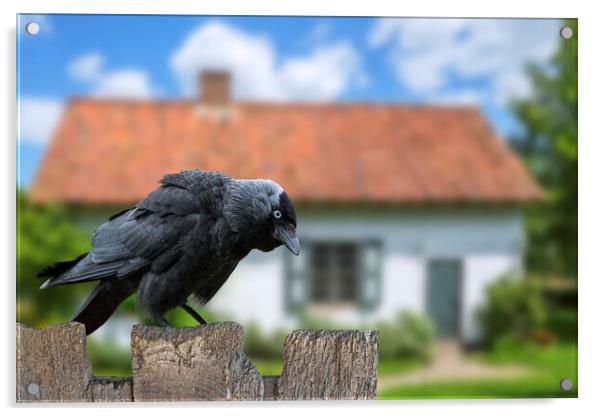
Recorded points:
(429,54)
(326,72)
(126,83)
(120,83)
(460,97)
(38,118)
(86,67)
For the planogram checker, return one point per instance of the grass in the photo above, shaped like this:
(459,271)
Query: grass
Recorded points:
(551,364)
(267,367)
(533,387)
(397,366)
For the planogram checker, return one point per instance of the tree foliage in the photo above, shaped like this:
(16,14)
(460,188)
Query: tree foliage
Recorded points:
(549,146)
(45,234)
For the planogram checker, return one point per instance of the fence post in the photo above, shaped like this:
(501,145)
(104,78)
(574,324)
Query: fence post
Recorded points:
(202,363)
(324,364)
(52,366)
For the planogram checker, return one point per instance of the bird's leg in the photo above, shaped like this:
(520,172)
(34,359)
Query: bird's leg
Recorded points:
(193,313)
(164,322)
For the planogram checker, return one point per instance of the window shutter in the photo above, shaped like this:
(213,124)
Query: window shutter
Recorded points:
(297,281)
(370,278)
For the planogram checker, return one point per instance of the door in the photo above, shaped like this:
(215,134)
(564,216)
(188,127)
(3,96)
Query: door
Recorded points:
(443,296)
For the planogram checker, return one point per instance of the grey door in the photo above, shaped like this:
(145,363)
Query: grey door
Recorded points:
(443,296)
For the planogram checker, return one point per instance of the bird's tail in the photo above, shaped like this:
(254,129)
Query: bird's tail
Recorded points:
(102,302)
(55,270)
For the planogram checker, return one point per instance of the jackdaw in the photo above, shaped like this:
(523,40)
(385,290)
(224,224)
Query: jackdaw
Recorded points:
(184,239)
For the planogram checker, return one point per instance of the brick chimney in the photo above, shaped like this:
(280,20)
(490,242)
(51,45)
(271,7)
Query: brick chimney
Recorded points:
(215,88)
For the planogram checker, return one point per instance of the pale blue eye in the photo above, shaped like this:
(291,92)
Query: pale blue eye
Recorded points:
(277,214)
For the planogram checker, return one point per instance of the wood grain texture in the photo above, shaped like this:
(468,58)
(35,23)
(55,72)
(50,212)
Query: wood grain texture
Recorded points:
(270,387)
(200,363)
(52,365)
(320,364)
(110,389)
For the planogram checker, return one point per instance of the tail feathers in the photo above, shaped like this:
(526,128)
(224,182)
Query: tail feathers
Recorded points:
(77,270)
(57,269)
(102,302)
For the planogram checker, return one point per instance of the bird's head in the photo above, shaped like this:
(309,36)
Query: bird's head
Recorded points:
(261,211)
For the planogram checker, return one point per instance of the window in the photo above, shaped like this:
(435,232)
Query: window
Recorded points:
(334,272)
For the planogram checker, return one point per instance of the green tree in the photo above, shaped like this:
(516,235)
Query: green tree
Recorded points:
(45,234)
(549,146)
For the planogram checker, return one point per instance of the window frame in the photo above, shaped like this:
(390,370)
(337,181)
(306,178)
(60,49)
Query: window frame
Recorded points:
(298,276)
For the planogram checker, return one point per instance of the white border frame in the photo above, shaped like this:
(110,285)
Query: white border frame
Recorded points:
(590,206)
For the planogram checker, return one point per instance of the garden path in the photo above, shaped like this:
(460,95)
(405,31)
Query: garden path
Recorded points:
(450,362)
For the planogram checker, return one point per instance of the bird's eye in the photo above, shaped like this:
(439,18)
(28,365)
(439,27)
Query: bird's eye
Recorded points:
(277,214)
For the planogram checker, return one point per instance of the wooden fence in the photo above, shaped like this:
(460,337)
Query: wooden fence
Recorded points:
(201,363)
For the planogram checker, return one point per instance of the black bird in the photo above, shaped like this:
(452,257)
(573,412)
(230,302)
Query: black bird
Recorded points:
(184,239)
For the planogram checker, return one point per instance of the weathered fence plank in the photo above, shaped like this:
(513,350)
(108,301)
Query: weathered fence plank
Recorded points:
(52,364)
(329,365)
(202,363)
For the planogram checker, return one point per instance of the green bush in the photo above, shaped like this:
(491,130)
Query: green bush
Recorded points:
(563,322)
(514,307)
(409,336)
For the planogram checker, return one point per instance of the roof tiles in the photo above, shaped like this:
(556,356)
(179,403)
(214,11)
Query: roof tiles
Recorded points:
(114,152)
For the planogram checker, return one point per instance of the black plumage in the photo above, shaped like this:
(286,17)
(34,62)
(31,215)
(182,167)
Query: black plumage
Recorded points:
(185,238)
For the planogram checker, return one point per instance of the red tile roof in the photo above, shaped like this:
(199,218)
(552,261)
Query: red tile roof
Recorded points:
(107,151)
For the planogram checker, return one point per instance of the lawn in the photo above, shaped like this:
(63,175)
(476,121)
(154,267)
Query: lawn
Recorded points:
(267,367)
(551,364)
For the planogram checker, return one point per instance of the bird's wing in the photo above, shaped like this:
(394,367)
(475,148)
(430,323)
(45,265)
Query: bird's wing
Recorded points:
(149,232)
(148,236)
(140,239)
(134,241)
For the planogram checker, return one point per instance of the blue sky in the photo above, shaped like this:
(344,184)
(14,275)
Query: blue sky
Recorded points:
(444,61)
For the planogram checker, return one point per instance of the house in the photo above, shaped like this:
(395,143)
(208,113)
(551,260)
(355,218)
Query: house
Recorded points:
(400,207)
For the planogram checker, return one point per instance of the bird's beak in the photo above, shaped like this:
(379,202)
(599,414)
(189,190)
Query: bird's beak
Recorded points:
(288,236)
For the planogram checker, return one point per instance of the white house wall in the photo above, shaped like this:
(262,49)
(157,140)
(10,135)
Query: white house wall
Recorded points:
(489,243)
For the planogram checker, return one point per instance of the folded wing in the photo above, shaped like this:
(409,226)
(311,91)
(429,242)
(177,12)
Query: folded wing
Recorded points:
(134,241)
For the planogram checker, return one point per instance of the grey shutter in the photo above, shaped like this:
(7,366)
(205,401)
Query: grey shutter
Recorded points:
(297,279)
(370,277)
